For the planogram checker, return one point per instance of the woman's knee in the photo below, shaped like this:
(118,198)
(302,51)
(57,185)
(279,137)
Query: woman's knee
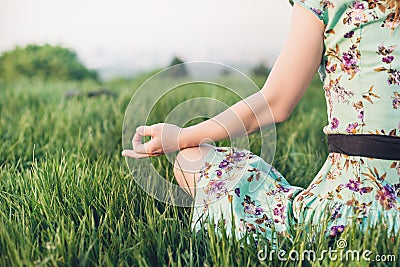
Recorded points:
(187,166)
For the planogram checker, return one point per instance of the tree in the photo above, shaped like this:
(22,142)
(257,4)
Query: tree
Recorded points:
(261,70)
(45,62)
(178,71)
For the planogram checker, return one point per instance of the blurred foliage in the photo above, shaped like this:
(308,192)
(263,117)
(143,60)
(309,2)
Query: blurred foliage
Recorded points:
(44,62)
(176,60)
(261,70)
(180,70)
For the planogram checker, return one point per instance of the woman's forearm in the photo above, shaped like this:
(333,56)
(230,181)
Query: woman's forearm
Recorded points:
(245,117)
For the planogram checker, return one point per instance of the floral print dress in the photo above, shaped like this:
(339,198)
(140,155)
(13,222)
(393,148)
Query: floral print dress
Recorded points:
(360,70)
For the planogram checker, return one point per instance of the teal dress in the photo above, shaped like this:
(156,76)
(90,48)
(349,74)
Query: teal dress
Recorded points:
(360,70)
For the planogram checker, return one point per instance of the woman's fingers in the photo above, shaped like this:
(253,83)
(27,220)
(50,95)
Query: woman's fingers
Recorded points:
(133,154)
(146,130)
(144,148)
(141,150)
(164,139)
(130,153)
(136,140)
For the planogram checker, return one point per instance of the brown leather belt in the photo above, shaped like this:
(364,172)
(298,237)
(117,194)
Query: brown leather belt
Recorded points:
(365,145)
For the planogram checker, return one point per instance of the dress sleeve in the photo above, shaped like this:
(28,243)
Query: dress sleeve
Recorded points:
(313,5)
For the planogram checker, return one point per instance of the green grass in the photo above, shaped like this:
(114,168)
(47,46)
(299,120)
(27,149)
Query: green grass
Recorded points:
(67,198)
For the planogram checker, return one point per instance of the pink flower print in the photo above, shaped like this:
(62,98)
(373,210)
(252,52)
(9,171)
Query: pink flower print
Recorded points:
(250,207)
(219,173)
(223,164)
(349,34)
(349,59)
(279,212)
(356,15)
(350,62)
(237,156)
(339,92)
(361,115)
(330,68)
(394,77)
(282,189)
(336,230)
(388,59)
(334,123)
(386,197)
(258,211)
(336,211)
(216,188)
(352,128)
(358,5)
(391,22)
(237,191)
(353,185)
(316,11)
(396,101)
(327,4)
(382,50)
(359,106)
(394,74)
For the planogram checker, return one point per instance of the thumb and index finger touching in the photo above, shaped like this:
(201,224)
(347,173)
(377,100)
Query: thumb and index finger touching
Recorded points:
(139,148)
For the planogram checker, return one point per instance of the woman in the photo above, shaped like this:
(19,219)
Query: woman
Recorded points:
(356,46)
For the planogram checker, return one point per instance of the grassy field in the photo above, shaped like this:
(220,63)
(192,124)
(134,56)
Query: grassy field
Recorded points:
(67,198)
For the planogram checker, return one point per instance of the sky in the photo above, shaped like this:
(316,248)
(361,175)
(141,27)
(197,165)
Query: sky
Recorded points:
(125,36)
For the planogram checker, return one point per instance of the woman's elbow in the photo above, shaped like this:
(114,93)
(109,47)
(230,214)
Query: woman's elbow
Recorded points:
(281,111)
(280,106)
(281,116)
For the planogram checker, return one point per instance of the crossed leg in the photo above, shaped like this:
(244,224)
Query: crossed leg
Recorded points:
(187,166)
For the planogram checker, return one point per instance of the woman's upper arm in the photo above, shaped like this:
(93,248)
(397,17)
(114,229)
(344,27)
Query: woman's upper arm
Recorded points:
(297,63)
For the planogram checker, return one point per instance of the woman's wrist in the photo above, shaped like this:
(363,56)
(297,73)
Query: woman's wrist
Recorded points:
(187,138)
(196,135)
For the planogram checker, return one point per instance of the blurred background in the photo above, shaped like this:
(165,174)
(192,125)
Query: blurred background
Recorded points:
(122,38)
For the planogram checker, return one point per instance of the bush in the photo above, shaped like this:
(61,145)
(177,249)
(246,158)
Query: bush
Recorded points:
(45,62)
(261,70)
(178,71)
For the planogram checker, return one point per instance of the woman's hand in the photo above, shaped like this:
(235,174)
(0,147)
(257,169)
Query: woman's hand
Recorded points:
(164,139)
